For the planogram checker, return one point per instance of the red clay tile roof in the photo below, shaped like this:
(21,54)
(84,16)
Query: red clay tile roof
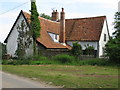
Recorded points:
(84,29)
(47,26)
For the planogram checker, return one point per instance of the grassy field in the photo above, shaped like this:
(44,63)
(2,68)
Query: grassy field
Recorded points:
(69,76)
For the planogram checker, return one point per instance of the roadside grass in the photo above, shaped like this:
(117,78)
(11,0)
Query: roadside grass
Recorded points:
(68,60)
(69,76)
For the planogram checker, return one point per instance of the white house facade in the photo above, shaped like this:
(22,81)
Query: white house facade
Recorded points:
(12,38)
(104,38)
(91,31)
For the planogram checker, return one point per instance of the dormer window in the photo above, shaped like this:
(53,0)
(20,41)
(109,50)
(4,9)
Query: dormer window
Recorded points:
(54,36)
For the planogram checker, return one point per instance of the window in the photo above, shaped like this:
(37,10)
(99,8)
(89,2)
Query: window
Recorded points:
(55,36)
(104,37)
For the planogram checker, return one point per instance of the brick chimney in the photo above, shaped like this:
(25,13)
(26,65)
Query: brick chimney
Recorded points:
(62,27)
(55,15)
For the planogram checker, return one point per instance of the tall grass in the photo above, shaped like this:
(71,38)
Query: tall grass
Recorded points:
(64,58)
(59,59)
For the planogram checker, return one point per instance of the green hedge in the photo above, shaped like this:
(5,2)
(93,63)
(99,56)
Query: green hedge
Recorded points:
(59,59)
(64,58)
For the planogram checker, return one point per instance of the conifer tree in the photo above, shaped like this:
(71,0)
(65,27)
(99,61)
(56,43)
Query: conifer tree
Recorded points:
(34,25)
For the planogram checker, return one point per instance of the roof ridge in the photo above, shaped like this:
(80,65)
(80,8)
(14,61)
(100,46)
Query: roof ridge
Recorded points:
(41,17)
(86,18)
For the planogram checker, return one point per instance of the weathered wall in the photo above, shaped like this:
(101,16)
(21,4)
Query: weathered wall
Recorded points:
(12,43)
(51,52)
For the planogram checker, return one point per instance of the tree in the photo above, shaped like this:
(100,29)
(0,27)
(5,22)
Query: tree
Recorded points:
(45,16)
(2,50)
(113,46)
(24,40)
(76,49)
(34,25)
(117,25)
(113,50)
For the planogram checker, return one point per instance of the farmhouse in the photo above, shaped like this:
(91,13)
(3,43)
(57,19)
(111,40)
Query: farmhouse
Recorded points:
(58,35)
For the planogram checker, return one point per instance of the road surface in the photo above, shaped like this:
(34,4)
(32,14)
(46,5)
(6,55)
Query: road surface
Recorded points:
(13,81)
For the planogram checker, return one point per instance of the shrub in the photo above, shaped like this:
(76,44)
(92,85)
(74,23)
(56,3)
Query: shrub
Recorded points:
(76,49)
(89,50)
(99,62)
(113,50)
(64,58)
(15,62)
(39,58)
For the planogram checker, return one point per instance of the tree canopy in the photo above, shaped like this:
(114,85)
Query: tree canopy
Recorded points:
(35,22)
(45,16)
(34,25)
(113,46)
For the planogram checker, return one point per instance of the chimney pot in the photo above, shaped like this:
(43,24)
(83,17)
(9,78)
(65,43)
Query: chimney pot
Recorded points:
(55,15)
(62,9)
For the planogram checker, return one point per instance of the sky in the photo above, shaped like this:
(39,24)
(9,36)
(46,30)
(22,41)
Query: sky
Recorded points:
(10,9)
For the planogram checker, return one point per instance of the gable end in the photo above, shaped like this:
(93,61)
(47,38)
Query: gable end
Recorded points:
(21,13)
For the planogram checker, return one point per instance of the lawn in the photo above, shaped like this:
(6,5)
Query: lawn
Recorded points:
(69,76)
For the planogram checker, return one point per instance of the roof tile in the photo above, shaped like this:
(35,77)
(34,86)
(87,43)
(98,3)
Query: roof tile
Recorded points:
(48,26)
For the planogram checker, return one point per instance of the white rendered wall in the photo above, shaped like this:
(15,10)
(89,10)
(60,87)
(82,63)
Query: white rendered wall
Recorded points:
(101,41)
(12,39)
(94,44)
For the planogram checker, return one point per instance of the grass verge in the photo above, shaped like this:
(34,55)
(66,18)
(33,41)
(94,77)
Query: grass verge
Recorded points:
(69,76)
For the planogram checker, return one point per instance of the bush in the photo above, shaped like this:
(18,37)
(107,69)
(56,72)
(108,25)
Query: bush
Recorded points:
(39,58)
(64,58)
(76,49)
(99,62)
(113,50)
(89,50)
(15,62)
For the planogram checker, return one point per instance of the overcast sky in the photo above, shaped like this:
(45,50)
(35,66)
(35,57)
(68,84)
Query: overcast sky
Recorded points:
(9,10)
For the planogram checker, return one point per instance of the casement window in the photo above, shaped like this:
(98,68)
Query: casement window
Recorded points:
(56,36)
(104,37)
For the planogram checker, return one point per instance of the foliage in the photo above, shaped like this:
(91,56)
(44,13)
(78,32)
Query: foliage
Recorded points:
(34,25)
(45,16)
(76,49)
(97,62)
(113,46)
(37,57)
(64,58)
(16,62)
(113,50)
(61,59)
(89,50)
(117,25)
(24,40)
(2,50)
